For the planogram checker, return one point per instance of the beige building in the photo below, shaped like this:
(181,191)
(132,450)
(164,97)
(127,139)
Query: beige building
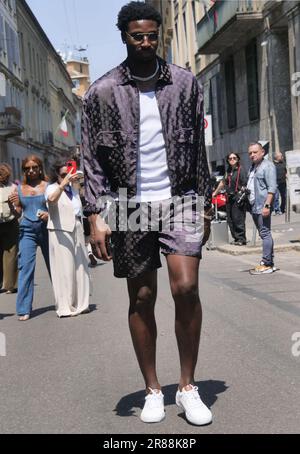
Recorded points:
(62,101)
(79,70)
(178,34)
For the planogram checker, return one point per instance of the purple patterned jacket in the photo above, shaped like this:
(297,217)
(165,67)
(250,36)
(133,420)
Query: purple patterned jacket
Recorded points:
(110,133)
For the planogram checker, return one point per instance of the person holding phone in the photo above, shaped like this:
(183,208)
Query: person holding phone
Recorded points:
(68,255)
(30,201)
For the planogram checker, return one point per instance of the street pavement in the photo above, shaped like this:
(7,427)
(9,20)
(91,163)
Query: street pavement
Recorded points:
(80,375)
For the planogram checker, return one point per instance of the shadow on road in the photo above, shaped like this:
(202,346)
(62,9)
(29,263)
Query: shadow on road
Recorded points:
(2,316)
(42,310)
(209,389)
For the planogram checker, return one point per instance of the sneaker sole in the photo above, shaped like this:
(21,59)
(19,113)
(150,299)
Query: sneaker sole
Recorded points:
(152,421)
(205,423)
(256,273)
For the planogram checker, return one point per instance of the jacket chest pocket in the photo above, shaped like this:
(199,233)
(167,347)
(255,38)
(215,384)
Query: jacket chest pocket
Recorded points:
(111,149)
(111,139)
(184,136)
(184,155)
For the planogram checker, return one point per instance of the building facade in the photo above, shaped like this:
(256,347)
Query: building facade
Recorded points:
(249,88)
(11,87)
(79,70)
(247,57)
(36,91)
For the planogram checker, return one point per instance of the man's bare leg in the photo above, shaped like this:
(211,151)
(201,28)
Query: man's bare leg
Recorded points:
(142,294)
(183,275)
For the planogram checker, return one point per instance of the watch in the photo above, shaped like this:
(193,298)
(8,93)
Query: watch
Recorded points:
(267,205)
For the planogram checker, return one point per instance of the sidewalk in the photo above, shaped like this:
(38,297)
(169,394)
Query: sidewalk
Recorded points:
(286,236)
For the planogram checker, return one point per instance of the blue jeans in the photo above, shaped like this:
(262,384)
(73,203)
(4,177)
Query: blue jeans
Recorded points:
(263,225)
(32,235)
(281,191)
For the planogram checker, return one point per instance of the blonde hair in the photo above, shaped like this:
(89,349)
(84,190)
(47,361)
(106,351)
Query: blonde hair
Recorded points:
(5,171)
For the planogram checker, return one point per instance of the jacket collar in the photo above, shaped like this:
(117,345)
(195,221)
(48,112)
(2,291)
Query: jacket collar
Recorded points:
(124,75)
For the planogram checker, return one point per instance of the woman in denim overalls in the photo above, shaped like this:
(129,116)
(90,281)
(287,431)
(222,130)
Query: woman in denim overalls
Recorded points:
(33,231)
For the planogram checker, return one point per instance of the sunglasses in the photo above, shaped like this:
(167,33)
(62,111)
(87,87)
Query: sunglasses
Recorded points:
(139,37)
(33,168)
(233,158)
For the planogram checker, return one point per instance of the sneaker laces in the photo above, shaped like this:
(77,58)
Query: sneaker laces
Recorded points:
(193,397)
(153,399)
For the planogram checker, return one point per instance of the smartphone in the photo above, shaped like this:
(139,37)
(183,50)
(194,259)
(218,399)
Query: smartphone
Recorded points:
(71,167)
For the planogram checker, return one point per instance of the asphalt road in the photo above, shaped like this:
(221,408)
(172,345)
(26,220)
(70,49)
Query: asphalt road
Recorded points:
(79,375)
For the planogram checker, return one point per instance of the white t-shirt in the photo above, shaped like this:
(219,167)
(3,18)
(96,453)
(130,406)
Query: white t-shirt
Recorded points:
(77,206)
(153,182)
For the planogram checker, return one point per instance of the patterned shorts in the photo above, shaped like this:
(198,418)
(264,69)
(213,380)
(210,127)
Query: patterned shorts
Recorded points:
(140,233)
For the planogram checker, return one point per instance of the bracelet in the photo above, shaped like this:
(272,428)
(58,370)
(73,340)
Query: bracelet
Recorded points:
(60,187)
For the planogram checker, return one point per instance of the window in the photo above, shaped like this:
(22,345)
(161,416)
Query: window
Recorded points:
(230,93)
(252,81)
(9,45)
(2,35)
(76,83)
(177,35)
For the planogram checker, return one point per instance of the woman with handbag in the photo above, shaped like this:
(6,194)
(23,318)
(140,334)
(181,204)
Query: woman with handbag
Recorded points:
(234,183)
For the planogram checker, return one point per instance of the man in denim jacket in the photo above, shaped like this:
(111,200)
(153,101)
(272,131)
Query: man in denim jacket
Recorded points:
(262,185)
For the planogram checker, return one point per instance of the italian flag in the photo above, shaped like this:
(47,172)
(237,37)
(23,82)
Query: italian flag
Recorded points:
(63,128)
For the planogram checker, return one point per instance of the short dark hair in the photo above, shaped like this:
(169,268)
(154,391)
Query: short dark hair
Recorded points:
(137,11)
(57,165)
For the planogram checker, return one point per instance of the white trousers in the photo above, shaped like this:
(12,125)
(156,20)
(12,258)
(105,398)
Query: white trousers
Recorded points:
(69,271)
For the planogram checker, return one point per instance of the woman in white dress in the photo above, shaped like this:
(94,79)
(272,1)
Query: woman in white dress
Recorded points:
(68,256)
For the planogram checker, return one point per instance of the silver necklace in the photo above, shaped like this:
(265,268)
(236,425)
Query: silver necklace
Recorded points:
(145,79)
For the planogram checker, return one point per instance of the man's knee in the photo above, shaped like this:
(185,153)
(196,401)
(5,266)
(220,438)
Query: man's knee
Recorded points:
(144,299)
(184,288)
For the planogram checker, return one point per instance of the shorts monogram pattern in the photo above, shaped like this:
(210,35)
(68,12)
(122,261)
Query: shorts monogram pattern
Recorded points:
(135,252)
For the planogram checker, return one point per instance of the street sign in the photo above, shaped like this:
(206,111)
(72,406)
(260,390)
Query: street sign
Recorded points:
(293,177)
(208,130)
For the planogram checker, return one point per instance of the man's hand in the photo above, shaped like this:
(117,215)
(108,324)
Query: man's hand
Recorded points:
(207,220)
(99,238)
(265,212)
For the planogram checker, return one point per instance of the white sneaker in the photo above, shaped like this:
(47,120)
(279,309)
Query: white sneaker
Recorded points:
(273,267)
(154,410)
(196,411)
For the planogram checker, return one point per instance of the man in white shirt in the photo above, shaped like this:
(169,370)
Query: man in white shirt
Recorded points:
(143,132)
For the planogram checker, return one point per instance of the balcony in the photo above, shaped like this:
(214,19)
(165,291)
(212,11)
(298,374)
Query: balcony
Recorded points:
(227,23)
(10,123)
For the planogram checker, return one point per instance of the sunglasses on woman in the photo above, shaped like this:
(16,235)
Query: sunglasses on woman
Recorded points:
(33,168)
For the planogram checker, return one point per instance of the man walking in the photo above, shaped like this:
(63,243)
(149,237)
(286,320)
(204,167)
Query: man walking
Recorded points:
(262,186)
(143,132)
(281,183)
